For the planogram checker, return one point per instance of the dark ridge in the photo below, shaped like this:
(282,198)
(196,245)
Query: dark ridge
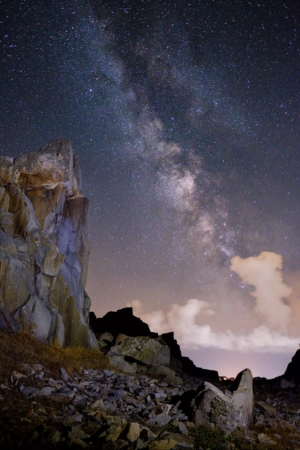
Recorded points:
(120,321)
(172,343)
(189,367)
(292,372)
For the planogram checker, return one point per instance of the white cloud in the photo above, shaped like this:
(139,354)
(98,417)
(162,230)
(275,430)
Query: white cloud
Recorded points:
(264,273)
(182,321)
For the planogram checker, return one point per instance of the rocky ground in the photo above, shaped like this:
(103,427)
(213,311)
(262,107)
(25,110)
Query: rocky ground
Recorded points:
(104,409)
(133,394)
(98,409)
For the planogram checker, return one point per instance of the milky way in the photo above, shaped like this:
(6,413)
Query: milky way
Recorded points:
(185,116)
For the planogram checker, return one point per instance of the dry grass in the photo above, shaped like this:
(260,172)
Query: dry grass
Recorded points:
(23,347)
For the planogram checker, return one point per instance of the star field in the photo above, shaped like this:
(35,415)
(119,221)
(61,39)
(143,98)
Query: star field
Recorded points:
(186,118)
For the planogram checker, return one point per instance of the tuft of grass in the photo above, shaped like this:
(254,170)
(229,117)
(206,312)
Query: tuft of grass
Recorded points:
(207,437)
(23,347)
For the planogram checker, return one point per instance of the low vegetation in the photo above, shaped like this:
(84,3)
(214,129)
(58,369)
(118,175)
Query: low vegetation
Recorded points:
(23,348)
(207,437)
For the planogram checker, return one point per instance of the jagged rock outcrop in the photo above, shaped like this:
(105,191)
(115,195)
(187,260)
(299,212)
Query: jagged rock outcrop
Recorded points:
(120,321)
(228,410)
(242,396)
(189,367)
(140,354)
(123,322)
(43,246)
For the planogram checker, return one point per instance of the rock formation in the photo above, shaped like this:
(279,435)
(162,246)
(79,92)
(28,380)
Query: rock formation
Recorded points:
(142,349)
(228,410)
(124,322)
(242,396)
(43,246)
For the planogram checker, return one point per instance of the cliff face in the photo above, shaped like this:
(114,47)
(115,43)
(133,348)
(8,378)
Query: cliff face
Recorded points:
(43,246)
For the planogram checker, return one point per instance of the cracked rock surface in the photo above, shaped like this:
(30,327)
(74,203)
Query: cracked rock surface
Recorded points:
(44,247)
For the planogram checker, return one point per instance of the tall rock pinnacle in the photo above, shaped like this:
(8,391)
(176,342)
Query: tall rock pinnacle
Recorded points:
(44,248)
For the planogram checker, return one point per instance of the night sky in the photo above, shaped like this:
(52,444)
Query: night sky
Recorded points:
(186,117)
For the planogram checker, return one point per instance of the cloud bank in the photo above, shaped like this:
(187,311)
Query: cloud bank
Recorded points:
(182,321)
(264,274)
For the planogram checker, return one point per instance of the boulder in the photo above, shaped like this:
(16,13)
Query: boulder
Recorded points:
(211,406)
(44,247)
(242,396)
(118,361)
(143,349)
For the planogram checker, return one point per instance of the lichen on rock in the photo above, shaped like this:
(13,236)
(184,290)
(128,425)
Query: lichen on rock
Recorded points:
(44,248)
(227,410)
(144,349)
